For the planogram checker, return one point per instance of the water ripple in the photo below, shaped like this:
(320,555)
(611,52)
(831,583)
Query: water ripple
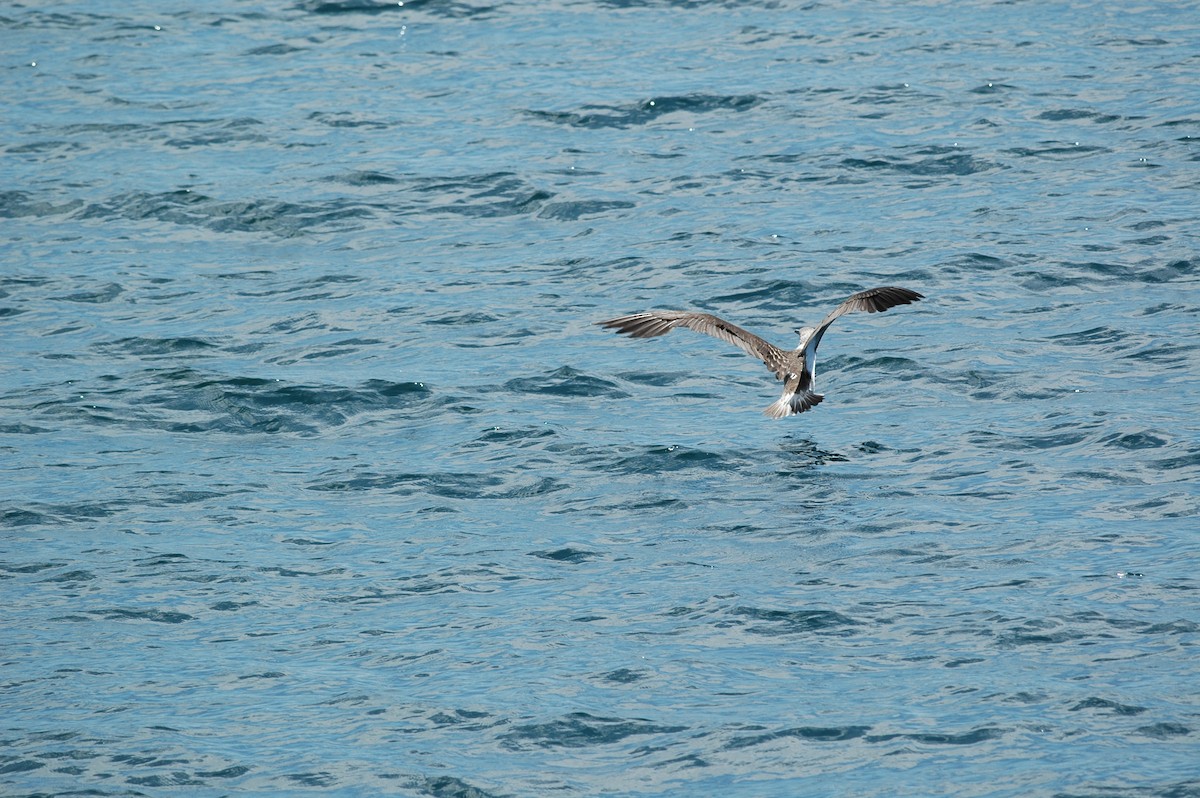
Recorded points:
(318,476)
(581,730)
(646,111)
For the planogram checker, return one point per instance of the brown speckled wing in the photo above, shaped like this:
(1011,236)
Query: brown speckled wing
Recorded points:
(661,322)
(873,300)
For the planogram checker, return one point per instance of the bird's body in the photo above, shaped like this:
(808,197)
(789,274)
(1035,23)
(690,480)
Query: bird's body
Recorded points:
(796,367)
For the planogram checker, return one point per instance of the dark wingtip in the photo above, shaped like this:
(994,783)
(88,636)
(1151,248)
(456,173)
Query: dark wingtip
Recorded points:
(890,296)
(621,325)
(638,325)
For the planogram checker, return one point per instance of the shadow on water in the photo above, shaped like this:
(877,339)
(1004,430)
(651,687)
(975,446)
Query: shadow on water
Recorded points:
(803,454)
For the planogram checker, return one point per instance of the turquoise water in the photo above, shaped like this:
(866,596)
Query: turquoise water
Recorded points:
(319,478)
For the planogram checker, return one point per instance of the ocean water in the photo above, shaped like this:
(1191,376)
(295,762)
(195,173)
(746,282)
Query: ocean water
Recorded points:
(317,477)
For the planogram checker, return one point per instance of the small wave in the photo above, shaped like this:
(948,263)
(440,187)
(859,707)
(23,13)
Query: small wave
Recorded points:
(1073,114)
(788,622)
(464,318)
(798,458)
(1187,121)
(1089,337)
(364,178)
(421,585)
(274,49)
(967,738)
(341,348)
(568,555)
(1017,443)
(448,485)
(1164,731)
(1175,270)
(843,733)
(187,400)
(173,133)
(1164,505)
(624,676)
(1058,150)
(979,262)
(107,129)
(637,504)
(44,147)
(1149,41)
(95,296)
(188,208)
(29,568)
(992,88)
(16,204)
(48,514)
(489,195)
(346,119)
(624,116)
(581,730)
(900,368)
(521,436)
(663,459)
(686,5)
(768,295)
(156,616)
(1134,441)
(566,381)
(1081,272)
(449,787)
(975,379)
(441,8)
(151,347)
(572,211)
(1042,632)
(1107,706)
(1185,462)
(312,289)
(214,132)
(463,719)
(72,576)
(1164,355)
(824,734)
(889,94)
(959,164)
(658,379)
(347,7)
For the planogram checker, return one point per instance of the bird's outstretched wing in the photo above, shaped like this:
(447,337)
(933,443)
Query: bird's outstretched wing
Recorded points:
(661,322)
(873,300)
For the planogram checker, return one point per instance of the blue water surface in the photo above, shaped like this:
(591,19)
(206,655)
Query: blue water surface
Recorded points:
(317,477)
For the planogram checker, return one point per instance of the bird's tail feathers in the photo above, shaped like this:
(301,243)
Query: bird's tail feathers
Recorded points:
(792,403)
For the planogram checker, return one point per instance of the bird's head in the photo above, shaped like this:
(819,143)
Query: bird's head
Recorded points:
(805,333)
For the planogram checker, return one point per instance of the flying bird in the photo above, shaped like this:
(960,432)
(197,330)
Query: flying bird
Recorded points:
(796,368)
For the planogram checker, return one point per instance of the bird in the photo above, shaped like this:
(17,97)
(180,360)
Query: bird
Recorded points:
(797,368)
